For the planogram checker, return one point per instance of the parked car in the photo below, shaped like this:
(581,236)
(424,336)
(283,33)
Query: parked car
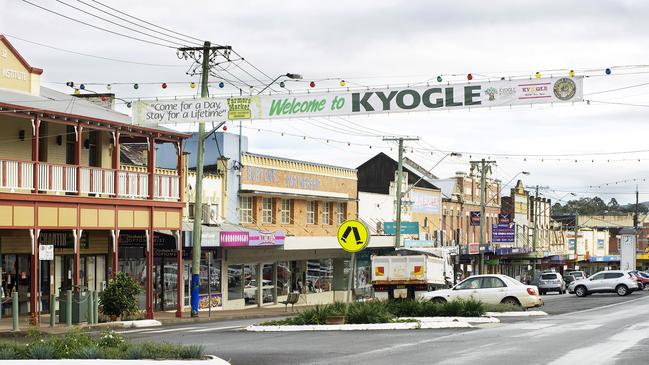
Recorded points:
(491,289)
(551,281)
(568,279)
(621,282)
(577,274)
(643,278)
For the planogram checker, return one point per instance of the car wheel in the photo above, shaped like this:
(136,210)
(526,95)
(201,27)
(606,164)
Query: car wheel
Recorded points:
(438,300)
(622,290)
(511,301)
(581,291)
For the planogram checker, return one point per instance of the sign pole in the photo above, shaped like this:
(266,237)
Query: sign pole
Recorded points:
(209,283)
(350,281)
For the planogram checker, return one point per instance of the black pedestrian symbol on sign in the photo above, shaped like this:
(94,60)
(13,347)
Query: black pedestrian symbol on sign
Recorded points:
(357,235)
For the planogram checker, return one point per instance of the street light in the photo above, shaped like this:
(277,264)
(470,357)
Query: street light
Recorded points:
(288,75)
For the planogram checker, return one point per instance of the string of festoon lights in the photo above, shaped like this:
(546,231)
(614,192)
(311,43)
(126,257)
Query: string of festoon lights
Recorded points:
(349,83)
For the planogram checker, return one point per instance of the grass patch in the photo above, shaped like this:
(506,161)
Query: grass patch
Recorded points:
(80,345)
(383,311)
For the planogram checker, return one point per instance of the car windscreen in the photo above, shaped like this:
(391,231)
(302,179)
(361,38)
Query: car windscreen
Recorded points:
(548,276)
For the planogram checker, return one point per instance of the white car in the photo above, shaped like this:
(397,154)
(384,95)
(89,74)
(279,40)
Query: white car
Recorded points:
(491,289)
(621,282)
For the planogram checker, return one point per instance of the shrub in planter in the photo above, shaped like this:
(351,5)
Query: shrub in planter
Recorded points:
(119,298)
(42,351)
(368,312)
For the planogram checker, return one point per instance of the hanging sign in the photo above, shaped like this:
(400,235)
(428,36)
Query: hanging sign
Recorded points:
(359,102)
(46,252)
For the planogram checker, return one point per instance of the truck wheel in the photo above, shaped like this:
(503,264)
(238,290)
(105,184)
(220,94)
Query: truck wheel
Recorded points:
(438,300)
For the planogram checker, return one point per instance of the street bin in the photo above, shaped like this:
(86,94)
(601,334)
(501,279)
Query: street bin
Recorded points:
(79,305)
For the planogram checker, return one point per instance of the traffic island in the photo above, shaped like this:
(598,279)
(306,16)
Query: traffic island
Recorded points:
(82,347)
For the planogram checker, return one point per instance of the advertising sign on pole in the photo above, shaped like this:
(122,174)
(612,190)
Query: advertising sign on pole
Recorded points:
(475,218)
(485,94)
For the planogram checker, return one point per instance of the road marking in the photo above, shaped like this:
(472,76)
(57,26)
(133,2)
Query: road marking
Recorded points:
(602,307)
(135,331)
(176,329)
(209,329)
(604,352)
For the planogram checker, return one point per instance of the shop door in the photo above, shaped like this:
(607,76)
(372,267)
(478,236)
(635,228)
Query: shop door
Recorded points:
(165,278)
(63,272)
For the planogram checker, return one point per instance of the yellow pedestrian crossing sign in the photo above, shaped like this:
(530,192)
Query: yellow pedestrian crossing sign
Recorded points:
(353,235)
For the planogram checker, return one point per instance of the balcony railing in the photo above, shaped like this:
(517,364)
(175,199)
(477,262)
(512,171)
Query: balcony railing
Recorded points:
(132,182)
(17,175)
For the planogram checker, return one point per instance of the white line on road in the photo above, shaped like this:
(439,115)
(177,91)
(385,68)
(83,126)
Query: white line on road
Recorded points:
(176,329)
(602,307)
(209,329)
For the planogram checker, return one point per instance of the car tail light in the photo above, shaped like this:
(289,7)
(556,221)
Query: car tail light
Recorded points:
(531,291)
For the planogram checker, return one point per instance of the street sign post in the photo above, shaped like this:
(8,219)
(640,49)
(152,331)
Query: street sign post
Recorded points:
(353,236)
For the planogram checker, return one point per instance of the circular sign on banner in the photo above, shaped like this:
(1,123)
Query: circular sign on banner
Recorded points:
(353,235)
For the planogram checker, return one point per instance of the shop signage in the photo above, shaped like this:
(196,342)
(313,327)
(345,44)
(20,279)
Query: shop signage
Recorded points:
(503,233)
(643,256)
(425,202)
(608,258)
(505,219)
(265,176)
(418,243)
(264,238)
(359,102)
(406,227)
(474,248)
(215,300)
(46,252)
(62,239)
(475,218)
(164,245)
(252,238)
(512,250)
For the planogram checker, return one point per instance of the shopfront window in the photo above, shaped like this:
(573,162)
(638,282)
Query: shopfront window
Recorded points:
(267,211)
(245,209)
(310,212)
(250,284)
(286,211)
(319,275)
(268,288)
(132,261)
(235,282)
(283,278)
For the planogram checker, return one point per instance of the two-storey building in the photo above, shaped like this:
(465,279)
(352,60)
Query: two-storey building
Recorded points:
(64,183)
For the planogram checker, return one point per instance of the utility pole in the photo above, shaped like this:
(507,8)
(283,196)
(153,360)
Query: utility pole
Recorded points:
(635,214)
(397,237)
(483,164)
(576,234)
(206,53)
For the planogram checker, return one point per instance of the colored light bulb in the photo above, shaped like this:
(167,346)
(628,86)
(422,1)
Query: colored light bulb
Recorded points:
(342,83)
(221,84)
(537,75)
(136,86)
(192,85)
(608,71)
(312,84)
(571,73)
(469,77)
(164,85)
(439,78)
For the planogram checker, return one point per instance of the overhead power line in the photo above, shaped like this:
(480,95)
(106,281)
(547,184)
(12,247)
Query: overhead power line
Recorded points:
(98,27)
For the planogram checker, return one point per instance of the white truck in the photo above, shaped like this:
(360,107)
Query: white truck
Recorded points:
(408,273)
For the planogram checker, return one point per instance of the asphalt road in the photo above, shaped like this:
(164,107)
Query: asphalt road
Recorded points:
(598,329)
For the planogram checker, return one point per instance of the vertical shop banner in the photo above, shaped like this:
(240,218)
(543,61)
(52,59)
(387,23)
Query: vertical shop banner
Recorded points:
(484,94)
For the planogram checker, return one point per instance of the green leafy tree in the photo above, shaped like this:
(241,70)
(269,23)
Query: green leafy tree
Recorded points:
(120,296)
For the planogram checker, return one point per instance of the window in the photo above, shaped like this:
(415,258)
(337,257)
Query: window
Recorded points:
(549,277)
(319,275)
(310,212)
(613,275)
(473,283)
(491,282)
(286,211)
(326,213)
(600,243)
(267,211)
(340,213)
(598,276)
(245,209)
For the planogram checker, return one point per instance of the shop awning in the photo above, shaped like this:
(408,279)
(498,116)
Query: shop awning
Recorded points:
(324,196)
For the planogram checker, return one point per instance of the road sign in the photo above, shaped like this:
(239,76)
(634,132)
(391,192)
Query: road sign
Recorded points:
(353,235)
(46,252)
(406,227)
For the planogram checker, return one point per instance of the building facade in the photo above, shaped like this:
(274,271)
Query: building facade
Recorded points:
(65,183)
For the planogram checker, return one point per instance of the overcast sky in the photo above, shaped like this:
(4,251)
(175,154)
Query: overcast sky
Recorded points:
(391,42)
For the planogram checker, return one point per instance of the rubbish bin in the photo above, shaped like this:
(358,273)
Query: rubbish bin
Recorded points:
(79,305)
